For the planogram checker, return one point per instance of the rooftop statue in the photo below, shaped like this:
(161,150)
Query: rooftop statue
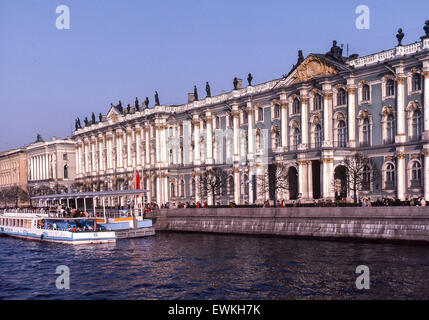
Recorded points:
(128,108)
(136,104)
(146,102)
(208,89)
(400,35)
(86,121)
(93,118)
(235,83)
(119,106)
(78,123)
(100,117)
(300,57)
(195,93)
(156,98)
(39,138)
(249,79)
(426,29)
(336,51)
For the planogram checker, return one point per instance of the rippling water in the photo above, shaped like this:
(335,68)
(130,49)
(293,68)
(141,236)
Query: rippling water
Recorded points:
(206,266)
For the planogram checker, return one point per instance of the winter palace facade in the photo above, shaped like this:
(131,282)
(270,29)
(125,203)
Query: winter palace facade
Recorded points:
(327,108)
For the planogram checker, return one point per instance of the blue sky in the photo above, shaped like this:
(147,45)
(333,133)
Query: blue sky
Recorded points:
(123,49)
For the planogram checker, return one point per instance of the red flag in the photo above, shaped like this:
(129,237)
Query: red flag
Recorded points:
(137,181)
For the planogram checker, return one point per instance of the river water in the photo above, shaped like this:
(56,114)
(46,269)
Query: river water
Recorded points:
(210,266)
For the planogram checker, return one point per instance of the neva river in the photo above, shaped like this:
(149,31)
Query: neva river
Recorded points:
(206,266)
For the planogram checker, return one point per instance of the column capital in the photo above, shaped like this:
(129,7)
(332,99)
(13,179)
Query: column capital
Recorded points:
(400,79)
(327,95)
(399,155)
(425,74)
(351,90)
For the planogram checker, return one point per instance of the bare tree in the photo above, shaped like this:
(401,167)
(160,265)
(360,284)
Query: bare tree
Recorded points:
(274,180)
(212,181)
(361,172)
(15,195)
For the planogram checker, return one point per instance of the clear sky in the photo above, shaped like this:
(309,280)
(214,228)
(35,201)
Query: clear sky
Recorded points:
(117,50)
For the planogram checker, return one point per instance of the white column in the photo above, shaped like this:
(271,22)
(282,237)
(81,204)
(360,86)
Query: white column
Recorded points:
(284,124)
(197,153)
(426,174)
(328,177)
(100,154)
(400,110)
(109,152)
(304,119)
(237,186)
(401,176)
(86,156)
(250,133)
(209,138)
(236,140)
(309,180)
(327,119)
(426,99)
(351,116)
(129,158)
(93,142)
(119,150)
(302,177)
(138,142)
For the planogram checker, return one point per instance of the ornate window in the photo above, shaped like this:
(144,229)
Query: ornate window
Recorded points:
(245,117)
(341,97)
(390,129)
(390,88)
(296,138)
(231,185)
(66,172)
(172,190)
(182,188)
(417,125)
(342,133)
(366,177)
(416,83)
(193,186)
(389,178)
(416,174)
(317,101)
(217,122)
(276,111)
(296,106)
(260,114)
(366,134)
(366,93)
(318,136)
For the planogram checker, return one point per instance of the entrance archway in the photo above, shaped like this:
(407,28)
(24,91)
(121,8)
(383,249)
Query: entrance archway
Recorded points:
(340,182)
(293,183)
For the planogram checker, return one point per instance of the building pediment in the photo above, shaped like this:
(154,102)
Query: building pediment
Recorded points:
(313,67)
(113,114)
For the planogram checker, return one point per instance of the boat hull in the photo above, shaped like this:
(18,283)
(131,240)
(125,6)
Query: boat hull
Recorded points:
(65,237)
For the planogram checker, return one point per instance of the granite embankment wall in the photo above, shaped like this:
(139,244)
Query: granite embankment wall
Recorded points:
(374,223)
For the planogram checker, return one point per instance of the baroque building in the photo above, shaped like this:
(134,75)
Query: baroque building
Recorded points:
(51,163)
(327,108)
(13,168)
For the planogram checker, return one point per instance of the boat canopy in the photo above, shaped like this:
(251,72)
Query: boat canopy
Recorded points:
(83,195)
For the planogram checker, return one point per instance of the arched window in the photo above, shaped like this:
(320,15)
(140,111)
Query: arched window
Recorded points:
(318,136)
(66,172)
(390,88)
(245,116)
(182,188)
(172,190)
(417,125)
(341,97)
(317,102)
(260,114)
(416,174)
(390,129)
(342,133)
(217,122)
(366,177)
(296,137)
(366,93)
(231,185)
(296,106)
(276,111)
(416,82)
(365,133)
(390,176)
(277,139)
(193,187)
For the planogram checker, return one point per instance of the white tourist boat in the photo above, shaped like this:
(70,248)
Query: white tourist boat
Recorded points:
(42,227)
